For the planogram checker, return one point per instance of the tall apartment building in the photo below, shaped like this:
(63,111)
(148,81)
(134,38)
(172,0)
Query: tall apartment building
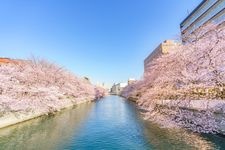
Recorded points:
(206,11)
(163,48)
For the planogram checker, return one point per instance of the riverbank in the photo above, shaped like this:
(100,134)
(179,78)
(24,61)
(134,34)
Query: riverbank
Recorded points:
(203,114)
(186,86)
(32,88)
(15,118)
(110,123)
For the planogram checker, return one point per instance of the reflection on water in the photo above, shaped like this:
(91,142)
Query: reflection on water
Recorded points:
(111,123)
(44,133)
(176,139)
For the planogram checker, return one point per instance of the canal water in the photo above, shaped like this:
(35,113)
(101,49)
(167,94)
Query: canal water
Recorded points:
(112,123)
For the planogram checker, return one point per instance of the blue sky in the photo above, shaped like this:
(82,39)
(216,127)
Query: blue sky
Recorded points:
(106,40)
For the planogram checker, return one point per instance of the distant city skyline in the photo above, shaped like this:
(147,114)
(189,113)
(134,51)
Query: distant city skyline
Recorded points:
(106,41)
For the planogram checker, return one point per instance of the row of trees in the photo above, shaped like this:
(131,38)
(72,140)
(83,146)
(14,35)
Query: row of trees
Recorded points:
(192,71)
(40,86)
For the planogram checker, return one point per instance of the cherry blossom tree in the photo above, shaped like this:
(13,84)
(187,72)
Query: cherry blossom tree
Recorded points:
(193,70)
(100,92)
(37,85)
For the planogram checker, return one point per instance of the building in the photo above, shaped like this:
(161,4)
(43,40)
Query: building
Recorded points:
(103,85)
(131,80)
(4,61)
(118,88)
(163,48)
(206,11)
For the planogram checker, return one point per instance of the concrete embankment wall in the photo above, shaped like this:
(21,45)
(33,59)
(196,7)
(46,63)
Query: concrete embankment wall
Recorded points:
(194,104)
(15,118)
(217,106)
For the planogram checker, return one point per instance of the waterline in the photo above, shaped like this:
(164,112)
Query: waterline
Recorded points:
(111,123)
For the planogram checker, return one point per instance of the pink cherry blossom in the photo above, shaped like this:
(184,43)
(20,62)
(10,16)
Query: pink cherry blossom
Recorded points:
(192,71)
(40,86)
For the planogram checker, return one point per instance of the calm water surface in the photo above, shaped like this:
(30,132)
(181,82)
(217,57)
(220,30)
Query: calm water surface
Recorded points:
(109,124)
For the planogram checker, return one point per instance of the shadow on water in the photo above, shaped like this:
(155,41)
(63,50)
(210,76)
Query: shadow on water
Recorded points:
(176,139)
(110,124)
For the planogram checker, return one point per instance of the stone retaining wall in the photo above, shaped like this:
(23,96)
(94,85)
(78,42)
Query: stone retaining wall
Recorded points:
(15,118)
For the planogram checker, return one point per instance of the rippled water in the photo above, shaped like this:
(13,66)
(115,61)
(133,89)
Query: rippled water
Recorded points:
(110,124)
